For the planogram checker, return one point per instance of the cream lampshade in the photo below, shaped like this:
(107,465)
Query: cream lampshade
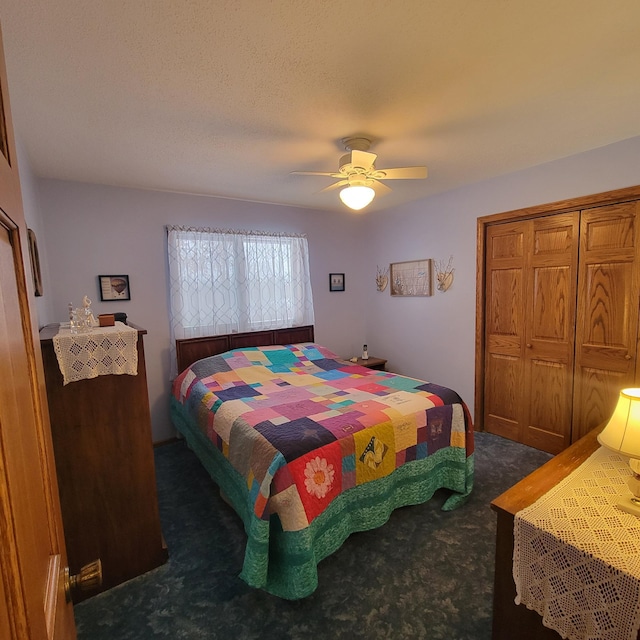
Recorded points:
(622,435)
(357,197)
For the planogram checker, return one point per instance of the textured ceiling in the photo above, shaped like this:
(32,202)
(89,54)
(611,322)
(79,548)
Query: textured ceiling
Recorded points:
(227,97)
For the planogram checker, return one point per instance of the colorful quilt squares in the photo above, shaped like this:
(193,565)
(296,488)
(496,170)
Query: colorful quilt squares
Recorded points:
(302,426)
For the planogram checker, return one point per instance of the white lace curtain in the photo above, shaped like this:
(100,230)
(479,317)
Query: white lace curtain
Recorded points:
(226,281)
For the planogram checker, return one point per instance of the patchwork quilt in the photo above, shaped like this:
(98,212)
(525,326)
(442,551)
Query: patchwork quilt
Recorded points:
(294,435)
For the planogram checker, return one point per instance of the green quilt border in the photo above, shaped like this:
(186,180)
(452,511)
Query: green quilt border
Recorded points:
(284,563)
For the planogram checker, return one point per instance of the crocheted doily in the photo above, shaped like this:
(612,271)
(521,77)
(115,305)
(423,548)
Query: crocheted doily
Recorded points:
(98,352)
(577,555)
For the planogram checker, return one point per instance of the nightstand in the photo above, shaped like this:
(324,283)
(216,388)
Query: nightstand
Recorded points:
(372,363)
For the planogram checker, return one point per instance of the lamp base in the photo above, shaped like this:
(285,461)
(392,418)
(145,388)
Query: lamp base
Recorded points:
(630,505)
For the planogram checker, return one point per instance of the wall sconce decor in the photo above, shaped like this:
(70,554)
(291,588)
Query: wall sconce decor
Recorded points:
(444,274)
(382,278)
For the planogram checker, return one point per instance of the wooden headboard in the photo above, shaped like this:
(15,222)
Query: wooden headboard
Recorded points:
(190,350)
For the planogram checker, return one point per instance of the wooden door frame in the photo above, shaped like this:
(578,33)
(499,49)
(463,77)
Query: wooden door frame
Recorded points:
(561,206)
(29,611)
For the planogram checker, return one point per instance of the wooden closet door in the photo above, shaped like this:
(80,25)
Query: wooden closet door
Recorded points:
(504,328)
(552,266)
(607,324)
(531,271)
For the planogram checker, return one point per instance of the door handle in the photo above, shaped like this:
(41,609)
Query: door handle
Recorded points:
(90,577)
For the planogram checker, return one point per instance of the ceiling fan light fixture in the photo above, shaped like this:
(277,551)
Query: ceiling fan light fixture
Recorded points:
(357,197)
(357,174)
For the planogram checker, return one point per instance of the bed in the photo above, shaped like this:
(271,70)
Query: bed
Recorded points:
(309,448)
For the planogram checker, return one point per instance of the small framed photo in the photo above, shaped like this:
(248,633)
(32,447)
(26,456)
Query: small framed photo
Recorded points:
(114,288)
(336,282)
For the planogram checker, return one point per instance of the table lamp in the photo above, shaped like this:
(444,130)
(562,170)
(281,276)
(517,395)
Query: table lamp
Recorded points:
(622,435)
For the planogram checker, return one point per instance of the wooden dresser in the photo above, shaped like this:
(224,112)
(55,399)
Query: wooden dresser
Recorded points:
(101,430)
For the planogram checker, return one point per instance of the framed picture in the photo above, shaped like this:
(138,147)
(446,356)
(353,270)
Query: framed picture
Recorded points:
(412,278)
(336,282)
(35,263)
(114,288)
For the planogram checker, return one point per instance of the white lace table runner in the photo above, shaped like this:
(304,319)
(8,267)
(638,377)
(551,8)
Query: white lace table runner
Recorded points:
(99,352)
(576,557)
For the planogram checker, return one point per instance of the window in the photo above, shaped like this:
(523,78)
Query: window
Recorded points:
(233,281)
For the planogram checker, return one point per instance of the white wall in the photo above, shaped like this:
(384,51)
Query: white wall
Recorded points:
(34,220)
(434,338)
(92,230)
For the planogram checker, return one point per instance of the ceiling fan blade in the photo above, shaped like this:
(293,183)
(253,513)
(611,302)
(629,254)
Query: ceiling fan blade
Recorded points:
(379,188)
(401,173)
(335,185)
(363,159)
(316,173)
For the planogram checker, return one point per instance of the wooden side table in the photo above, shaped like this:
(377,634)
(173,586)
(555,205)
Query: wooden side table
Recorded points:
(509,619)
(372,363)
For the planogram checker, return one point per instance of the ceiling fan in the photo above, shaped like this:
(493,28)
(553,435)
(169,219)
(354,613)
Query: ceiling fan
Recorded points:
(359,177)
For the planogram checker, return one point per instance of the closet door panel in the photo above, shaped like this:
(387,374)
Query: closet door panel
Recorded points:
(553,307)
(595,397)
(504,329)
(503,390)
(549,405)
(505,311)
(607,326)
(609,322)
(551,312)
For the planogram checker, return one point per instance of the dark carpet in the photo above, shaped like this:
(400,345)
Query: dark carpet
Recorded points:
(426,574)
